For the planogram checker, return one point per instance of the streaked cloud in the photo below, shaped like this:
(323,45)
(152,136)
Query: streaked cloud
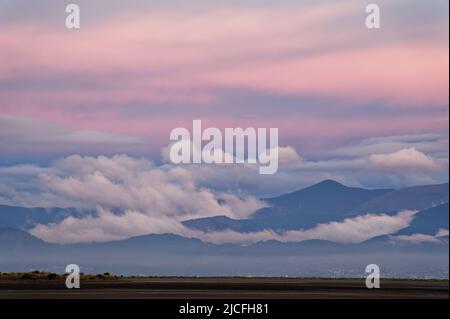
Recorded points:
(350,230)
(277,49)
(28,131)
(309,68)
(439,237)
(435,144)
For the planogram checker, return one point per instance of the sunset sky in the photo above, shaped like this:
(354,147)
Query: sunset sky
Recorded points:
(366,107)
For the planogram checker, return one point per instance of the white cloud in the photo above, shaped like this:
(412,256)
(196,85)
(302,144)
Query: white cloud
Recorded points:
(423,238)
(353,169)
(351,230)
(108,226)
(418,238)
(434,144)
(122,182)
(23,170)
(288,156)
(442,233)
(408,158)
(357,229)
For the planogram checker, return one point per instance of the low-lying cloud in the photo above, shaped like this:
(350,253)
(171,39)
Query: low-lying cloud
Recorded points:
(108,226)
(350,230)
(419,238)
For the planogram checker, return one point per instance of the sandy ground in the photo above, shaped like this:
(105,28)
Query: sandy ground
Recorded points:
(224,288)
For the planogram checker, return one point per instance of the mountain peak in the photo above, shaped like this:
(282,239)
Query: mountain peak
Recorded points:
(326,185)
(329,183)
(13,236)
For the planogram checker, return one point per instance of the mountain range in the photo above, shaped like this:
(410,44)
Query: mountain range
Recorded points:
(328,201)
(324,202)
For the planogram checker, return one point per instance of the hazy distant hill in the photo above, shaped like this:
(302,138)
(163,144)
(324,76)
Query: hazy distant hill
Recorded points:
(174,255)
(414,198)
(13,241)
(325,198)
(25,218)
(429,221)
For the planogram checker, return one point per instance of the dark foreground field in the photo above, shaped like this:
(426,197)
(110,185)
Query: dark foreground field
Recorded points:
(223,288)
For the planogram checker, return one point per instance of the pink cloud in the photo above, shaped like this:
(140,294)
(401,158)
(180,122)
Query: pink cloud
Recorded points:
(151,57)
(414,74)
(408,158)
(168,56)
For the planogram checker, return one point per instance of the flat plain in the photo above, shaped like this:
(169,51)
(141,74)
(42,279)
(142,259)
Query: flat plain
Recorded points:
(223,288)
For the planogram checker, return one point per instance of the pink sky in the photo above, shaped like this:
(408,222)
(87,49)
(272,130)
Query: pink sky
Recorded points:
(145,72)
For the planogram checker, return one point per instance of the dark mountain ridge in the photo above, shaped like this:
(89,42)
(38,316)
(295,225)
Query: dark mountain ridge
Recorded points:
(325,202)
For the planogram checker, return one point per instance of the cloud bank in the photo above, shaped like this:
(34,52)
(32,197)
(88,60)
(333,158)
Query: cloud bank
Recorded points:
(134,197)
(125,183)
(108,226)
(350,230)
(383,162)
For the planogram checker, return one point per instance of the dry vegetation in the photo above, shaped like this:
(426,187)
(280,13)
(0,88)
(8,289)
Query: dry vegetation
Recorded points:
(44,275)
